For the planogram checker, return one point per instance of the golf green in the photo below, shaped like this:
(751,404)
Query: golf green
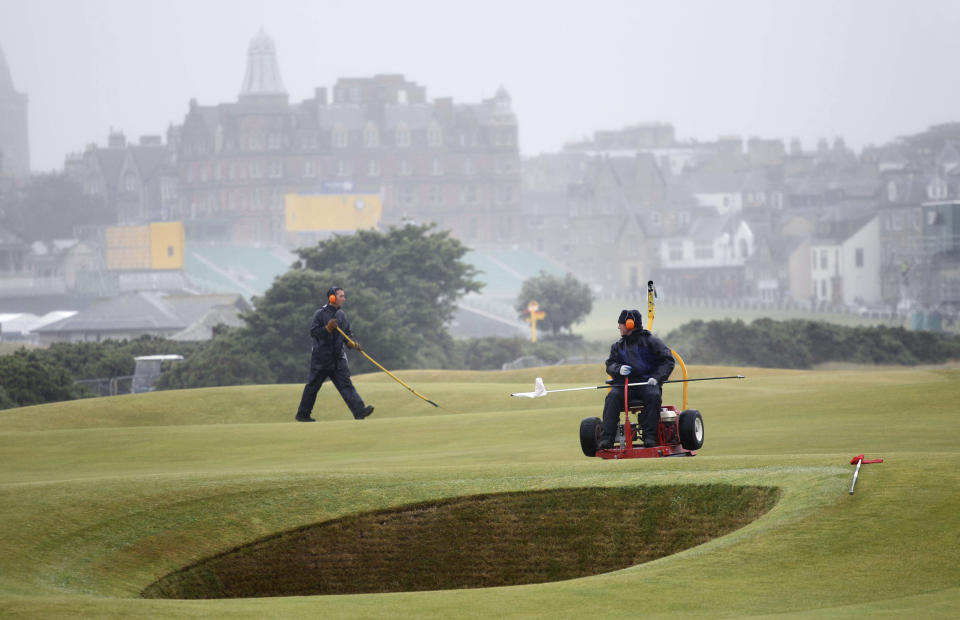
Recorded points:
(101,498)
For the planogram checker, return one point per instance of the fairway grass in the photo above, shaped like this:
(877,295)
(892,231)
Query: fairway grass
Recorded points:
(100,498)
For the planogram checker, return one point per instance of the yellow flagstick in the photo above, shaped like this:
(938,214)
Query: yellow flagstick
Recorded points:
(651,296)
(392,376)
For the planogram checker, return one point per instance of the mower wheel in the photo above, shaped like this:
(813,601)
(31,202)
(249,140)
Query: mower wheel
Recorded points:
(691,429)
(590,435)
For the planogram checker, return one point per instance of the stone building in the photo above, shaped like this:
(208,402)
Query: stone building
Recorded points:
(432,161)
(14,136)
(137,181)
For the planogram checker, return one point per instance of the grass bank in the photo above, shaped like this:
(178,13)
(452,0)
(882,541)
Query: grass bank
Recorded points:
(101,498)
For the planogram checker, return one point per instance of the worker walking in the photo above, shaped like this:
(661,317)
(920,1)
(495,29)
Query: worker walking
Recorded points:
(329,358)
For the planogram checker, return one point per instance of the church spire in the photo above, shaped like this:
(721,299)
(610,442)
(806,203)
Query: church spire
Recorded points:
(263,72)
(6,82)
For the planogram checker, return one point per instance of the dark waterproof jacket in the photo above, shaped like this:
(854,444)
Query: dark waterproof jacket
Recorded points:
(644,353)
(329,349)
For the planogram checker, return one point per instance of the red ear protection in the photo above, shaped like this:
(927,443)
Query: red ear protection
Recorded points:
(333,299)
(629,324)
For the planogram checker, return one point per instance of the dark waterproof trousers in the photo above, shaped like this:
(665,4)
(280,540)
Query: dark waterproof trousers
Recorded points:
(649,396)
(340,375)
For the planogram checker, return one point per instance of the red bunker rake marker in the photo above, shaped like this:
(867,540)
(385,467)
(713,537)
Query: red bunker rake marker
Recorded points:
(859,460)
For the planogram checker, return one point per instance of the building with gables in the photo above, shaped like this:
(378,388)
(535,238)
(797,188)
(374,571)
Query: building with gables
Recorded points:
(432,161)
(137,181)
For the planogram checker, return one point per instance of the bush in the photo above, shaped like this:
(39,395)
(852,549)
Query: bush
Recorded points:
(803,344)
(29,379)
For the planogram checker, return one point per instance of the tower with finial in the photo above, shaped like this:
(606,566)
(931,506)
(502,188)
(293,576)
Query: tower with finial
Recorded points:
(262,78)
(14,138)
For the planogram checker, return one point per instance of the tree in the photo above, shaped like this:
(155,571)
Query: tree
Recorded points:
(402,289)
(227,359)
(564,301)
(29,379)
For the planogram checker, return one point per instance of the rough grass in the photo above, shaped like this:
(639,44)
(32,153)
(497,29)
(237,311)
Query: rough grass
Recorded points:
(475,542)
(101,498)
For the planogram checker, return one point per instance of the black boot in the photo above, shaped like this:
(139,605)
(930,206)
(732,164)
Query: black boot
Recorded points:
(365,413)
(605,443)
(650,439)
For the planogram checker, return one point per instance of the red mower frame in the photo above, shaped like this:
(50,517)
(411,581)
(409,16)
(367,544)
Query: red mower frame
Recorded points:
(670,440)
(679,432)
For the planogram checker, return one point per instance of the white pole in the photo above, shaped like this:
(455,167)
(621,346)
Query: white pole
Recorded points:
(855,473)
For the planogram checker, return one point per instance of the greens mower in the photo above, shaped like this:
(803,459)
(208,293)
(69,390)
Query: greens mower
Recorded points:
(679,433)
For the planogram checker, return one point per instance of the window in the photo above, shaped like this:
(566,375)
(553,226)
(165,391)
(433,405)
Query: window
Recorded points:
(434,135)
(824,261)
(276,169)
(339,137)
(371,136)
(437,167)
(858,257)
(343,168)
(309,168)
(703,250)
(469,167)
(405,168)
(675,250)
(403,135)
(373,168)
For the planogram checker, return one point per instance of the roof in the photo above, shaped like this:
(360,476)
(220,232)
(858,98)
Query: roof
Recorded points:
(132,311)
(503,272)
(235,269)
(710,227)
(202,328)
(110,161)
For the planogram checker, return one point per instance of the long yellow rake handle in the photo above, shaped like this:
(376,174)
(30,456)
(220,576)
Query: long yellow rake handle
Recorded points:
(392,376)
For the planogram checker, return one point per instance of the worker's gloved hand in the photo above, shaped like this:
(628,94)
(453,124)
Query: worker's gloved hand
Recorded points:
(353,344)
(331,325)
(626,370)
(652,381)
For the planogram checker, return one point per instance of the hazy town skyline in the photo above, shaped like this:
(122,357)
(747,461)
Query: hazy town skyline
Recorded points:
(866,71)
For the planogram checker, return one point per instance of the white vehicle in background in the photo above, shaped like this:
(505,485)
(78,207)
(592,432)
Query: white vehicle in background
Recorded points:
(148,369)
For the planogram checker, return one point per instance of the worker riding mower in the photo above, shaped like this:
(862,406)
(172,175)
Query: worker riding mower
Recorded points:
(679,433)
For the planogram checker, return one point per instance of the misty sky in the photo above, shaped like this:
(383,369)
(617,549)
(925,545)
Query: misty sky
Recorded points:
(867,71)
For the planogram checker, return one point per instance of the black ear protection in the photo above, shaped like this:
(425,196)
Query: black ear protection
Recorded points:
(332,294)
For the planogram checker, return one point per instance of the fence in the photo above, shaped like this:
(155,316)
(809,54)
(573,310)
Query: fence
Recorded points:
(108,386)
